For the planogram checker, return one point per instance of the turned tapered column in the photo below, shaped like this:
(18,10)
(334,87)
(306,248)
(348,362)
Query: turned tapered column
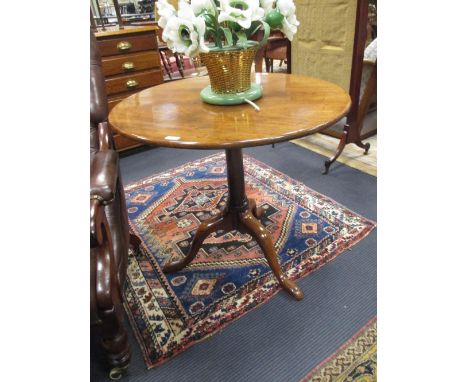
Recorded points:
(235,177)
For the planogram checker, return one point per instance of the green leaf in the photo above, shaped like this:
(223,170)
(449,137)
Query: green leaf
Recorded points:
(210,30)
(256,25)
(217,3)
(218,42)
(227,35)
(266,33)
(209,19)
(242,38)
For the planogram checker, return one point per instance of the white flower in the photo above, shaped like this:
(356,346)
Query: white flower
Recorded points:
(199,6)
(290,23)
(267,5)
(165,11)
(286,7)
(185,32)
(243,12)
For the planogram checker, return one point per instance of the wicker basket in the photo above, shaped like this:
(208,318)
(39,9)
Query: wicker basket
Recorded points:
(229,69)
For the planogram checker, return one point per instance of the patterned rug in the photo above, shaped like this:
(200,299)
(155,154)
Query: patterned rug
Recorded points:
(355,361)
(230,275)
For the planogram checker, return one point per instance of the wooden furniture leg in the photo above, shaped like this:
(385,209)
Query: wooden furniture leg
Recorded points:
(135,241)
(180,65)
(93,23)
(115,342)
(117,13)
(352,130)
(259,60)
(165,64)
(369,93)
(106,303)
(98,8)
(252,226)
(362,145)
(241,214)
(339,150)
(205,229)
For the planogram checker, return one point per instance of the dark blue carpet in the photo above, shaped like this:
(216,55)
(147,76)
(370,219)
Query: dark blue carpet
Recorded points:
(283,339)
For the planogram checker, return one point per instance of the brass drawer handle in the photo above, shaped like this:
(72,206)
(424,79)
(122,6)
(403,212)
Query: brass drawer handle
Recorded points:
(132,84)
(128,65)
(124,45)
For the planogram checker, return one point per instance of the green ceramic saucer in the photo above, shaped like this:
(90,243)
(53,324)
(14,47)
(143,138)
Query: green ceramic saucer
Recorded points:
(207,95)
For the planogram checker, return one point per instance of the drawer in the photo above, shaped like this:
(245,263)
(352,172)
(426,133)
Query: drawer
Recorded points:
(127,43)
(134,81)
(130,63)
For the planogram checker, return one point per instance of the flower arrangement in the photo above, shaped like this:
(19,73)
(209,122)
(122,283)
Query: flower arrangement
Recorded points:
(227,23)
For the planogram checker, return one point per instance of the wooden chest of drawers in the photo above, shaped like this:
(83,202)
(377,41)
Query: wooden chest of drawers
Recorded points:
(130,62)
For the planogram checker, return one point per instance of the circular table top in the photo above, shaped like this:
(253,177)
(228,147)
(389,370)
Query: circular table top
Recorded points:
(173,115)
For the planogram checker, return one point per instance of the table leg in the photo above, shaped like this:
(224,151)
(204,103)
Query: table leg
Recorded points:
(252,226)
(205,229)
(240,214)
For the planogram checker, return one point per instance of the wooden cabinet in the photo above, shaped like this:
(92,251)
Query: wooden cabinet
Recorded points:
(131,63)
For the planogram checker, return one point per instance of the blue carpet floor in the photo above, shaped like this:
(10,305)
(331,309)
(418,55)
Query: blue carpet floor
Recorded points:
(283,339)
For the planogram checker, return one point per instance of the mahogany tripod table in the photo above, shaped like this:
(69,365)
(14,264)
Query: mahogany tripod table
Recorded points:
(173,115)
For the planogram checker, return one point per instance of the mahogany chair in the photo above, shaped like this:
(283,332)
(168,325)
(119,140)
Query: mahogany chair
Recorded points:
(167,56)
(276,49)
(109,231)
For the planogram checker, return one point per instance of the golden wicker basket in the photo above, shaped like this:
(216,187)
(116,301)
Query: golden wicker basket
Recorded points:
(229,69)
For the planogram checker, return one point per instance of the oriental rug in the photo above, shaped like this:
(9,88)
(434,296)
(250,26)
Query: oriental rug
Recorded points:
(230,275)
(354,361)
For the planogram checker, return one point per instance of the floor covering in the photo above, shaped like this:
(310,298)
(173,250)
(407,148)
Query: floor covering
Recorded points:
(282,340)
(355,360)
(229,275)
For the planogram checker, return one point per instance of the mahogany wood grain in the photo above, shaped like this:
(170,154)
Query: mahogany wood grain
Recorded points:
(138,41)
(124,143)
(173,114)
(114,65)
(106,305)
(114,101)
(120,142)
(115,85)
